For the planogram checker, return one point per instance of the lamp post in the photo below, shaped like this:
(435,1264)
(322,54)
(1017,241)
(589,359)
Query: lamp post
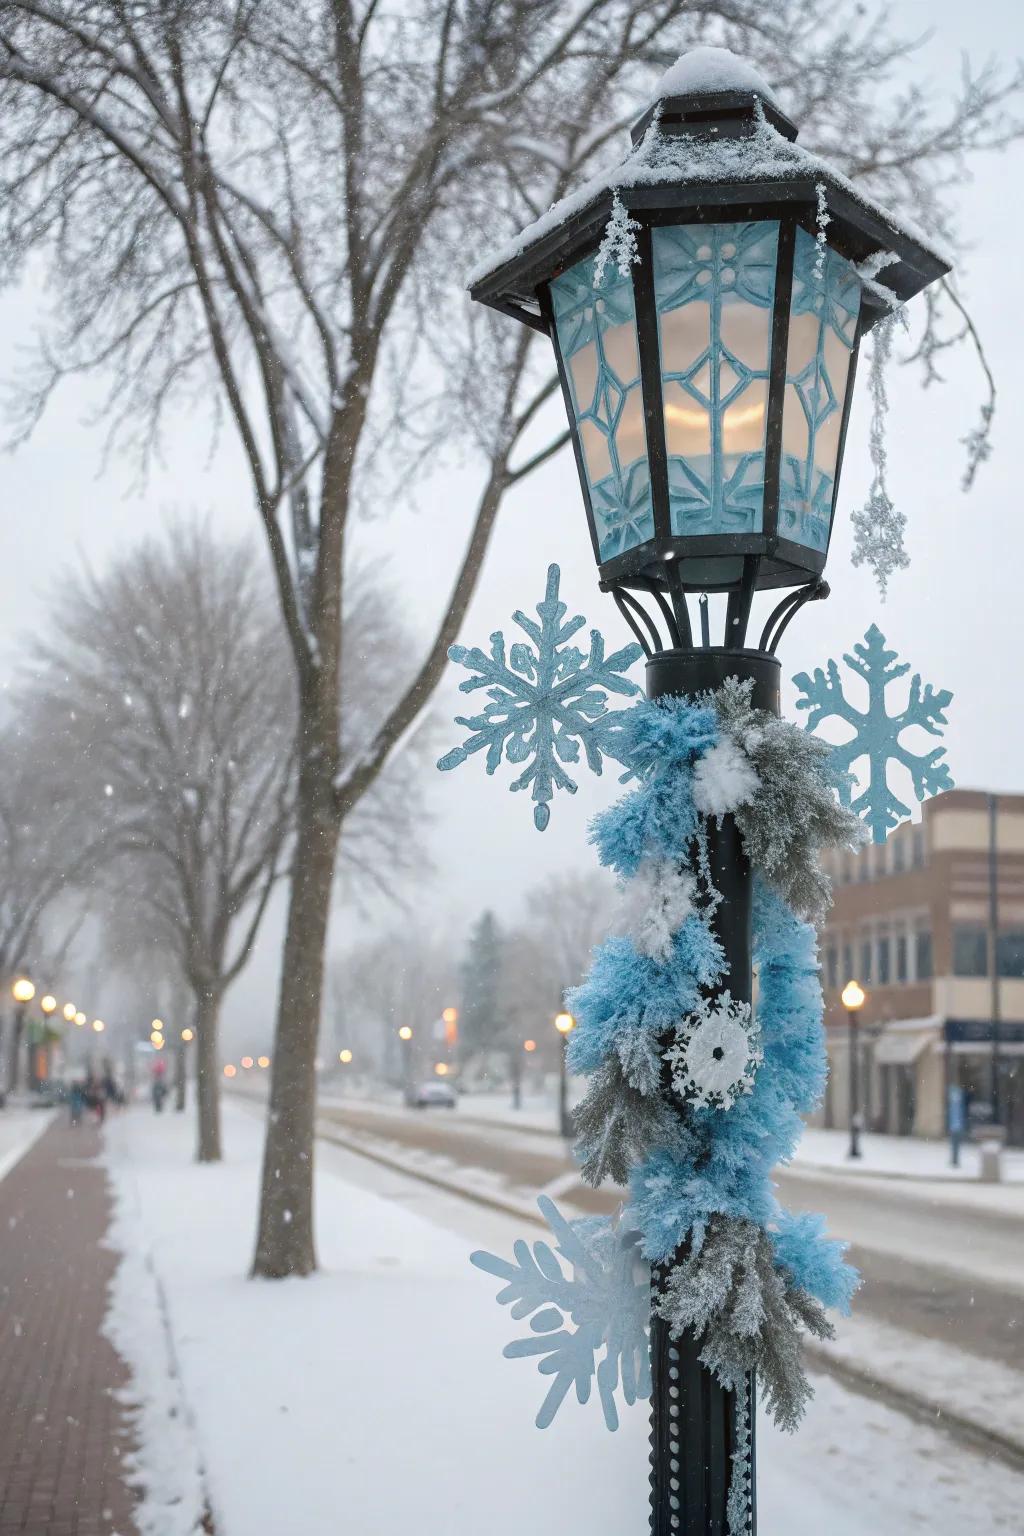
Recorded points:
(405,1047)
(565,1024)
(853,1001)
(706,301)
(41,1055)
(23,992)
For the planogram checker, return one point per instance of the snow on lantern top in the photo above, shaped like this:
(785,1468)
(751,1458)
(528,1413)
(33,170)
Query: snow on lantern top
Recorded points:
(706,297)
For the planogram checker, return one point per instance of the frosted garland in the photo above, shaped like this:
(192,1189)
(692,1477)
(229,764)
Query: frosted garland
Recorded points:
(744,1274)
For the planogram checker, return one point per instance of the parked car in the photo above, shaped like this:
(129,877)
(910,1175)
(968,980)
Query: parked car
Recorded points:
(433,1095)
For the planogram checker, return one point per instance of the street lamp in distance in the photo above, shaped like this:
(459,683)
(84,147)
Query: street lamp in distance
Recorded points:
(23,991)
(565,1024)
(48,1004)
(344,1057)
(99,1026)
(70,1011)
(79,1018)
(853,999)
(405,1033)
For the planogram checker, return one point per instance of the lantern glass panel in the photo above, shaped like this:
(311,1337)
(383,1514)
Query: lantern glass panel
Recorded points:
(714,288)
(822,335)
(596,328)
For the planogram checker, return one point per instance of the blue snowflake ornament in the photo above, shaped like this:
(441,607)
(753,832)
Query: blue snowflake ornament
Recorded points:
(876,732)
(607,1298)
(546,699)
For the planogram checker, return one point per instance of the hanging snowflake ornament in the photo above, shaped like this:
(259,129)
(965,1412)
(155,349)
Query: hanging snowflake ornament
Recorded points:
(546,700)
(876,733)
(716,1054)
(606,1297)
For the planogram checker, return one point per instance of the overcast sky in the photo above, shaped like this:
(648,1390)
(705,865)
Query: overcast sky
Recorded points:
(956,615)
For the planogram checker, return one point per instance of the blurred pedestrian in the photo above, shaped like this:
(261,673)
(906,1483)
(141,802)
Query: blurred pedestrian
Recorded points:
(76,1100)
(111,1091)
(159,1083)
(95,1097)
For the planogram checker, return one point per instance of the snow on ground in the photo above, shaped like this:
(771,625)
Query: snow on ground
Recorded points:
(902,1156)
(20,1126)
(372,1397)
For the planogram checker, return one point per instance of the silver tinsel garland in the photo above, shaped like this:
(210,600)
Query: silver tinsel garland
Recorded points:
(795,812)
(745,1315)
(616,1125)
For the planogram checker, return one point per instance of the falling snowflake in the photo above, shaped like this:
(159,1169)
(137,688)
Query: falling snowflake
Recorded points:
(876,732)
(606,1297)
(715,1054)
(546,700)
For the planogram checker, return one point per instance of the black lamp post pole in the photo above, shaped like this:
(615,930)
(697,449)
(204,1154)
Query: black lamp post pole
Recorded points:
(564,1122)
(694,1420)
(854,1053)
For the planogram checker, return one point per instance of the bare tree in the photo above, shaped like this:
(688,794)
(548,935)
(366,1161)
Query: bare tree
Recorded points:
(169,699)
(278,195)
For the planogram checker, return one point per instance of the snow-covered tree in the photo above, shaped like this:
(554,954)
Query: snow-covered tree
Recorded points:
(276,197)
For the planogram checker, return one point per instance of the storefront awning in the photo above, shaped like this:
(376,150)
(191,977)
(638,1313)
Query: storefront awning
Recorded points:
(901,1050)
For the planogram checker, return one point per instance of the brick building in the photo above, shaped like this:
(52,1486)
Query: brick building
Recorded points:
(931,923)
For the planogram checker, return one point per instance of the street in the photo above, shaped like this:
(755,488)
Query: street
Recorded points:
(963,1288)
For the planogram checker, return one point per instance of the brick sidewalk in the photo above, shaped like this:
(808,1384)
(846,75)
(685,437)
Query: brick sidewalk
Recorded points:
(62,1433)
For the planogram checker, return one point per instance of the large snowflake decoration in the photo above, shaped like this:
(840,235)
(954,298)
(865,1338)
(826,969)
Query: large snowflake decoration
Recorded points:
(545,701)
(876,732)
(716,1054)
(606,1297)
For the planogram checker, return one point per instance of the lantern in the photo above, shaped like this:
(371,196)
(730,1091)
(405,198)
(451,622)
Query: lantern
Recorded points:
(706,299)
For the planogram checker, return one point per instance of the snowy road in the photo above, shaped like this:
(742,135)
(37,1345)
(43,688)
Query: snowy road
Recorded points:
(374,1398)
(945,1271)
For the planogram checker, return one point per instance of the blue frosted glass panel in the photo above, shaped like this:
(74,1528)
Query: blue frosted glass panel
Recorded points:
(596,328)
(714,288)
(822,334)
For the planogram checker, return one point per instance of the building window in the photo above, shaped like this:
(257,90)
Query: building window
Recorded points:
(845,872)
(923,955)
(847,963)
(1010,952)
(863,873)
(970,952)
(831,966)
(884,960)
(881,860)
(917,846)
(899,855)
(901,957)
(865,960)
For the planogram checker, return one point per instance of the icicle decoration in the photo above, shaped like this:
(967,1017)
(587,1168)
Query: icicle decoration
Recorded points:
(822,220)
(878,526)
(618,244)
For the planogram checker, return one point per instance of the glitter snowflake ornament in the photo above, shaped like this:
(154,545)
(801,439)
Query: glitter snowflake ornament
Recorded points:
(716,1054)
(876,733)
(605,1298)
(546,700)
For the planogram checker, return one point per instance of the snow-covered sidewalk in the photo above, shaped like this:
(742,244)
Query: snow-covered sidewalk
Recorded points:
(373,1398)
(20,1126)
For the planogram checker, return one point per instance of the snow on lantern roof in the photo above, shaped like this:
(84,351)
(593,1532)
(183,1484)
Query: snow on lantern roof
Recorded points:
(690,152)
(705,71)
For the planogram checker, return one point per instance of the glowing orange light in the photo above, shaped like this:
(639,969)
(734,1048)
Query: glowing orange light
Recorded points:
(229,1070)
(247,1062)
(441,1068)
(263,1061)
(529,1045)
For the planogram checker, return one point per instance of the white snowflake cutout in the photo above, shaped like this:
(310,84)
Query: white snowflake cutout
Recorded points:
(716,1053)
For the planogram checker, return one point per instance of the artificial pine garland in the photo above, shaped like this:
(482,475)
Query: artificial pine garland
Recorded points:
(693,1099)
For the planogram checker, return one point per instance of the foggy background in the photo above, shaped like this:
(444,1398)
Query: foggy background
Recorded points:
(955,615)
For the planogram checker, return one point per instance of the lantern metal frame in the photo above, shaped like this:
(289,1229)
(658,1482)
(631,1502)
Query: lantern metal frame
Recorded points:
(857,230)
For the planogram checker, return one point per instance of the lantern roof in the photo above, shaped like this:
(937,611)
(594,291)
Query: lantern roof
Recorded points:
(714,136)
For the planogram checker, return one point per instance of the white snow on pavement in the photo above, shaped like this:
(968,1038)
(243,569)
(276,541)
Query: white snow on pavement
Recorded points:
(20,1127)
(373,1398)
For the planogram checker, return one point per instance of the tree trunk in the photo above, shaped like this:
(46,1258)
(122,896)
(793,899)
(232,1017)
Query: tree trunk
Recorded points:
(284,1242)
(14,1060)
(179,1076)
(207,1076)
